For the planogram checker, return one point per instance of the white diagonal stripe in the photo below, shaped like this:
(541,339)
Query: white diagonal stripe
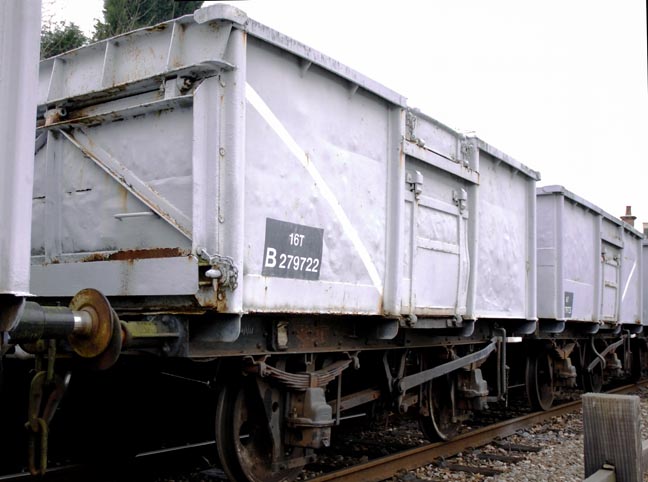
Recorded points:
(625,288)
(262,108)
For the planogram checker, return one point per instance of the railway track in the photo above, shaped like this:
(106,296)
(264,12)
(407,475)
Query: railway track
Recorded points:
(147,466)
(160,463)
(385,467)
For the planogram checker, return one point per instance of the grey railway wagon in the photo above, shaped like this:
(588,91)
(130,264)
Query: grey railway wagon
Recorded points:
(589,262)
(213,163)
(210,189)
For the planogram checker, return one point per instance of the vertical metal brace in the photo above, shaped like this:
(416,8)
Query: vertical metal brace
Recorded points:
(532,252)
(472,158)
(502,368)
(597,315)
(338,402)
(218,158)
(53,196)
(393,279)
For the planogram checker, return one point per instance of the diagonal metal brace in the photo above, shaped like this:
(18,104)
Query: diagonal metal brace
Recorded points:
(417,379)
(130,181)
(600,357)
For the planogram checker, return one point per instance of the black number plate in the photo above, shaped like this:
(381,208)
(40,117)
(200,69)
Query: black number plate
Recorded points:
(292,250)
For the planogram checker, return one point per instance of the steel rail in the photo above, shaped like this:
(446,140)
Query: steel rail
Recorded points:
(386,467)
(375,470)
(159,460)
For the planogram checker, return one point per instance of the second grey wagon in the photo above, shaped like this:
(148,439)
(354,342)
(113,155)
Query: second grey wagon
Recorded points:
(589,263)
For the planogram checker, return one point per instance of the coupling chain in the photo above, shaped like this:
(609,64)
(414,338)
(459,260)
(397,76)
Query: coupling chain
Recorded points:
(41,409)
(223,268)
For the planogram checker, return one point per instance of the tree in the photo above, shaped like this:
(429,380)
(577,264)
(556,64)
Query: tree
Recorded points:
(59,37)
(125,15)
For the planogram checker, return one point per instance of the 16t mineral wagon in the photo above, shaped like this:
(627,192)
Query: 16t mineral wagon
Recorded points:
(590,289)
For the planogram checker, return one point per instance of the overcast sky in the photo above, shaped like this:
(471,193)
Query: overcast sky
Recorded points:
(559,85)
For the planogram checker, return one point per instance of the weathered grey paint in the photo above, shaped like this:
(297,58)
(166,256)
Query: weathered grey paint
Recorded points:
(506,254)
(19,51)
(191,135)
(589,262)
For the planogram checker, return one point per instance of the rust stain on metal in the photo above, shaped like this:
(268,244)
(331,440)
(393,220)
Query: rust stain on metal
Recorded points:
(208,297)
(135,254)
(314,335)
(148,253)
(157,28)
(123,198)
(94,257)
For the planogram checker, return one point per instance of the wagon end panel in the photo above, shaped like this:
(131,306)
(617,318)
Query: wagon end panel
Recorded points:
(129,168)
(114,192)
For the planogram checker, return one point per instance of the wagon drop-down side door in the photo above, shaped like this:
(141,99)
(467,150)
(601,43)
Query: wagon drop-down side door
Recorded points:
(610,259)
(436,254)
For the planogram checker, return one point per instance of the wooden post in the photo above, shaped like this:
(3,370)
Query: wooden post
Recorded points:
(612,426)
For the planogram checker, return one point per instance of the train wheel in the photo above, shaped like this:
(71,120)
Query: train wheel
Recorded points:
(439,419)
(539,380)
(244,440)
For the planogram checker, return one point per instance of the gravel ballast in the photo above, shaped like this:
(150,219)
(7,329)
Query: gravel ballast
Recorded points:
(560,460)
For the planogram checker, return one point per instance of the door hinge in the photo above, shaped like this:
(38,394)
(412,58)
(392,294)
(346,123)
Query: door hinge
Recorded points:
(415,182)
(460,198)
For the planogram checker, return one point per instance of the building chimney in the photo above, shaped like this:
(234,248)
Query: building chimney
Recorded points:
(629,218)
